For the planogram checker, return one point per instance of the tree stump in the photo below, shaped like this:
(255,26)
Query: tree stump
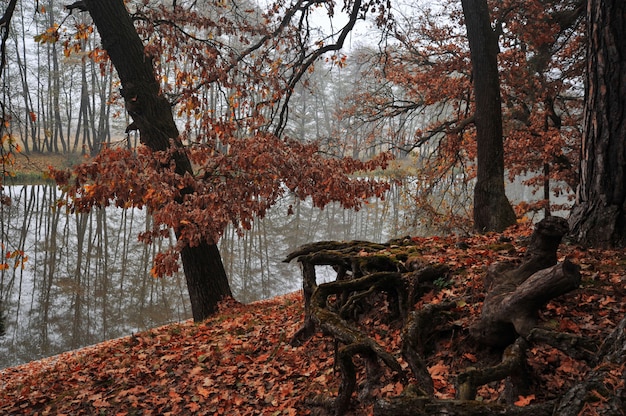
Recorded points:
(515,295)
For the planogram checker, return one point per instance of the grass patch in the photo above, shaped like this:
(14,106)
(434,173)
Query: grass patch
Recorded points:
(27,178)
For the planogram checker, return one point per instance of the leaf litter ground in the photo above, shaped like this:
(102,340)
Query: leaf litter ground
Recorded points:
(240,362)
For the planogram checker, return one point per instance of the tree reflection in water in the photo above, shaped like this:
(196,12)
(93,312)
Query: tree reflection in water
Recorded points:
(87,278)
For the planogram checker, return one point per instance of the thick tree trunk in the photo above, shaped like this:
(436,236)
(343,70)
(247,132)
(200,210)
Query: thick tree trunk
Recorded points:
(492,210)
(152,116)
(207,282)
(599,215)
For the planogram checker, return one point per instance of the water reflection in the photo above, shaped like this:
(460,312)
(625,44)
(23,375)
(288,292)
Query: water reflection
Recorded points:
(87,278)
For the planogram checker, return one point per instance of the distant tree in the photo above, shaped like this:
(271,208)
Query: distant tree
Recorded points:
(492,210)
(423,81)
(10,256)
(599,214)
(542,62)
(7,142)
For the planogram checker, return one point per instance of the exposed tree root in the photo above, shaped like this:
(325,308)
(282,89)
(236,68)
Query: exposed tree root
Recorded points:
(417,329)
(605,385)
(512,364)
(576,347)
(515,295)
(425,406)
(354,342)
(511,311)
(370,275)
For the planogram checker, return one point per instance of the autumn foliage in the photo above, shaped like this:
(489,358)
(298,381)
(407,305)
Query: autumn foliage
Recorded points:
(228,187)
(240,361)
(229,74)
(417,92)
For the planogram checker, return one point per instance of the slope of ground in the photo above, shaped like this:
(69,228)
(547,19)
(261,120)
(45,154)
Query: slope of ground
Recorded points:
(240,362)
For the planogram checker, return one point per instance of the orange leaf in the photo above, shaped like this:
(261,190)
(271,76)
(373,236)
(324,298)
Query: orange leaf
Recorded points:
(471,357)
(193,406)
(203,392)
(524,400)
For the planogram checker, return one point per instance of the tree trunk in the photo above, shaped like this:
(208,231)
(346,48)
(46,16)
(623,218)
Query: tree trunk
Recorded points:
(152,115)
(492,210)
(207,282)
(599,215)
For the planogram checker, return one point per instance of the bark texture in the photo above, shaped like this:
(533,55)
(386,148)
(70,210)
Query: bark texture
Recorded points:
(599,216)
(605,384)
(152,116)
(492,209)
(514,297)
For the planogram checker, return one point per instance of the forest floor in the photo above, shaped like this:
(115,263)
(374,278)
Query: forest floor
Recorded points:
(240,361)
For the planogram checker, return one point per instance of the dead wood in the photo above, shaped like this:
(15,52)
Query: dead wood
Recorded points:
(515,295)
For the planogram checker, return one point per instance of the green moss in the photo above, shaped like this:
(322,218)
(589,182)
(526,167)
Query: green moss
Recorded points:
(442,282)
(27,178)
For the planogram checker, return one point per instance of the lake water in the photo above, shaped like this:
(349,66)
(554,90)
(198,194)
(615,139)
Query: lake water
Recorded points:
(87,278)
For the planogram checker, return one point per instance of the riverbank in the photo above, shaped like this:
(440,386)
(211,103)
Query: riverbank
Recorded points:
(237,362)
(240,361)
(31,168)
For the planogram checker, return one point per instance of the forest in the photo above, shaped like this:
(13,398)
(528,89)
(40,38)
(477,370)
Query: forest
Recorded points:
(208,115)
